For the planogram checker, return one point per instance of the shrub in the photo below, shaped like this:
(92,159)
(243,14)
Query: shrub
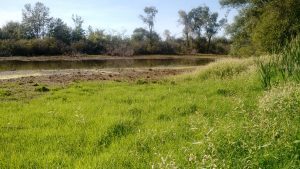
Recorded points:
(78,46)
(117,45)
(114,45)
(245,50)
(22,48)
(5,48)
(220,46)
(32,47)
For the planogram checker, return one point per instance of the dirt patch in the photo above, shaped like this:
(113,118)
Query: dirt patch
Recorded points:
(69,76)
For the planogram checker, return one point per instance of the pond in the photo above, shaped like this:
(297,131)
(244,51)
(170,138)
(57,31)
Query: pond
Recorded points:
(19,64)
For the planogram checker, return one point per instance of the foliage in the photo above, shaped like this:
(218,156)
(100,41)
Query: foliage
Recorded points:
(78,32)
(33,47)
(118,45)
(200,21)
(199,16)
(12,30)
(220,46)
(60,31)
(185,20)
(35,20)
(263,26)
(149,20)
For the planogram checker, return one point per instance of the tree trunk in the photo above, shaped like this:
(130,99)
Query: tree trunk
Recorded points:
(187,40)
(150,35)
(208,46)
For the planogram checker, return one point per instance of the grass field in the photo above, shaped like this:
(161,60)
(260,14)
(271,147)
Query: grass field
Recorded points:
(217,117)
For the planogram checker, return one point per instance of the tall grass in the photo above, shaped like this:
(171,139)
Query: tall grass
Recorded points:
(219,117)
(226,68)
(290,60)
(284,66)
(267,69)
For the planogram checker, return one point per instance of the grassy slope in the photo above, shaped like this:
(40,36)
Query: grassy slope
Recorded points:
(209,119)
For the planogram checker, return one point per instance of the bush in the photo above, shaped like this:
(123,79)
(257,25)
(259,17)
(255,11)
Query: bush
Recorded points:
(32,47)
(139,48)
(114,45)
(220,46)
(22,48)
(5,48)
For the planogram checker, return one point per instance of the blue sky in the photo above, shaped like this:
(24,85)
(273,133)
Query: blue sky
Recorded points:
(113,15)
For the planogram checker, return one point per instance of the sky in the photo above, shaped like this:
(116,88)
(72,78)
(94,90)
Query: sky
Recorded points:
(114,15)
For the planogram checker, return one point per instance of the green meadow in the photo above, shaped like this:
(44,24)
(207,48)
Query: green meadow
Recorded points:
(220,116)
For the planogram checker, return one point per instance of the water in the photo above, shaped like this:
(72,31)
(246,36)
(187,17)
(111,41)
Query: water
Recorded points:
(11,65)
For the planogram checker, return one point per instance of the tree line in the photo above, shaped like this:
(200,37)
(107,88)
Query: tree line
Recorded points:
(40,34)
(263,26)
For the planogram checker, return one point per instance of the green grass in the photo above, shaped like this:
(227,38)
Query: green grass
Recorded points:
(208,119)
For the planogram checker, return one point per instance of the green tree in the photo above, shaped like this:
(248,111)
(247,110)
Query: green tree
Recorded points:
(199,17)
(59,30)
(236,3)
(95,35)
(212,26)
(204,22)
(78,32)
(12,30)
(185,20)
(149,20)
(263,25)
(140,34)
(36,20)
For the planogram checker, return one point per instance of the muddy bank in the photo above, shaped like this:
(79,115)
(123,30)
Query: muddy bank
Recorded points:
(74,75)
(25,85)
